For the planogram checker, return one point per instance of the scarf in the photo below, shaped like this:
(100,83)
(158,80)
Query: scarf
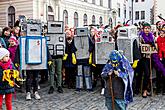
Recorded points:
(147,38)
(5,65)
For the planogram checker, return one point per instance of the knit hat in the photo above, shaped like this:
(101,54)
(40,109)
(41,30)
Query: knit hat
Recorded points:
(146,25)
(13,38)
(3,52)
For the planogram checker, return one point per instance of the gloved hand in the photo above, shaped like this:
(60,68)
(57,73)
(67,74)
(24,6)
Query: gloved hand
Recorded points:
(74,61)
(17,65)
(135,63)
(93,65)
(50,62)
(65,56)
(90,58)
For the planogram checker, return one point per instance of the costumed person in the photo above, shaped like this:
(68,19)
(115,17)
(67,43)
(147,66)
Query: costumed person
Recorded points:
(118,75)
(69,61)
(6,36)
(161,51)
(84,77)
(13,44)
(95,69)
(7,76)
(146,37)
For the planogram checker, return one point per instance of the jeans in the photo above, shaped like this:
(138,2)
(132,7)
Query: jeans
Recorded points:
(32,80)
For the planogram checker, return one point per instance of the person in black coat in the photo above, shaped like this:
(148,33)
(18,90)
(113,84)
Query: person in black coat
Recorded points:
(70,66)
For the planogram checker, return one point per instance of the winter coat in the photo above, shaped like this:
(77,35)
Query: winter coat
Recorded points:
(161,46)
(70,48)
(12,51)
(5,88)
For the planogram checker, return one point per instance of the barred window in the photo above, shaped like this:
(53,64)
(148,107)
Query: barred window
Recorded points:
(11,16)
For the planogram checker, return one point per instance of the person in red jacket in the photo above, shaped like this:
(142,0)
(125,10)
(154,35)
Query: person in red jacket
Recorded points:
(161,44)
(161,52)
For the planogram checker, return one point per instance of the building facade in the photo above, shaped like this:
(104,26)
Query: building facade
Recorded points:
(159,9)
(73,12)
(142,10)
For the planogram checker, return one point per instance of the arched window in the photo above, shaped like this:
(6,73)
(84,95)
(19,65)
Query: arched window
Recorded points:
(93,19)
(100,20)
(93,1)
(110,22)
(75,19)
(50,14)
(85,19)
(101,2)
(65,17)
(11,16)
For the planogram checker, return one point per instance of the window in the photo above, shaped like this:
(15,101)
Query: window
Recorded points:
(11,16)
(100,20)
(118,5)
(101,2)
(85,19)
(137,15)
(93,1)
(65,17)
(136,0)
(109,4)
(75,19)
(110,21)
(130,15)
(143,0)
(93,19)
(142,14)
(50,14)
(125,12)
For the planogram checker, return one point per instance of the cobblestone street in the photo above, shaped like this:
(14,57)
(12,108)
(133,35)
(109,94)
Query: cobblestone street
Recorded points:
(71,100)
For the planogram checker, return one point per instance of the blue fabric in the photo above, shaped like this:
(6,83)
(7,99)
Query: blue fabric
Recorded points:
(125,72)
(119,104)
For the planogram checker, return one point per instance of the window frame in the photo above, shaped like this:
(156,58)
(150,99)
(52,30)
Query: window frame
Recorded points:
(11,15)
(75,19)
(65,17)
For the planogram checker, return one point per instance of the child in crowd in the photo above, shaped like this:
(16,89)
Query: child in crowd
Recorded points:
(5,88)
(13,44)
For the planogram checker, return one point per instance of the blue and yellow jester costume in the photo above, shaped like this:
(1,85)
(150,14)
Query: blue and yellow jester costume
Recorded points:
(122,76)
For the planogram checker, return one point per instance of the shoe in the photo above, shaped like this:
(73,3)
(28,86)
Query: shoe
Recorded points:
(144,95)
(60,89)
(3,96)
(51,90)
(39,87)
(28,96)
(102,91)
(37,96)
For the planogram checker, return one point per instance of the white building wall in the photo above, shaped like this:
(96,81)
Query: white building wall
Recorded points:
(82,8)
(143,6)
(22,7)
(159,9)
